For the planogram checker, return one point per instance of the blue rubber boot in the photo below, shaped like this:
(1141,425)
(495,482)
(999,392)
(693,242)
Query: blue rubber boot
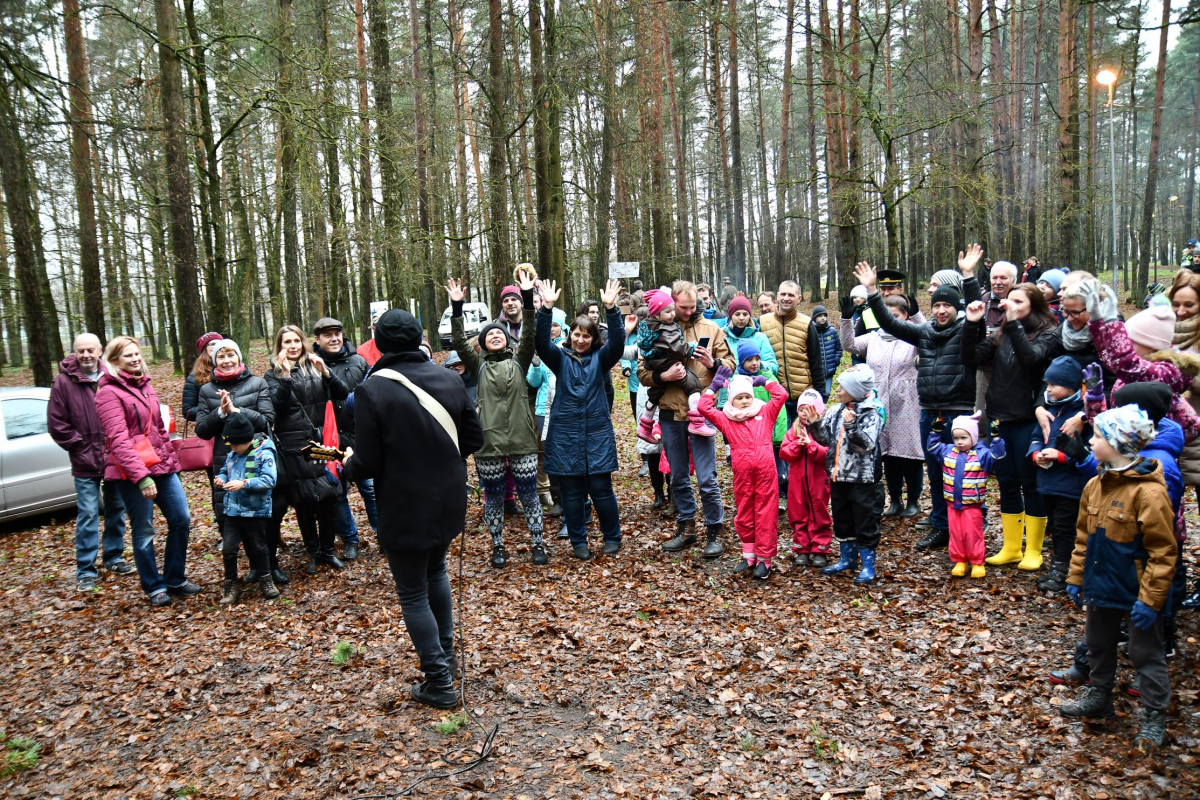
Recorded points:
(847,559)
(868,561)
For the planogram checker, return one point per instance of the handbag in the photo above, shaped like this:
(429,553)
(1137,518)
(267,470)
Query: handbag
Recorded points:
(145,450)
(194,453)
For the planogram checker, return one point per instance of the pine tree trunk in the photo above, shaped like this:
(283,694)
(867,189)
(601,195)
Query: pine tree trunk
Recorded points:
(1160,74)
(498,232)
(388,135)
(736,270)
(1068,128)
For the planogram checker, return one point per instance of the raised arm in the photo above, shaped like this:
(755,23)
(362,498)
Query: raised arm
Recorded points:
(901,329)
(458,336)
(547,351)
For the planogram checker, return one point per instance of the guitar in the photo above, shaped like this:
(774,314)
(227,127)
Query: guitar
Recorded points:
(315,451)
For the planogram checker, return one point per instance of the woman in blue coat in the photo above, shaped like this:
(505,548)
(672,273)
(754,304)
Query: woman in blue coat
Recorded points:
(581,449)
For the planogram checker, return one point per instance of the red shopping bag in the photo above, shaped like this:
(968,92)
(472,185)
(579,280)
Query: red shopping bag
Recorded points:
(329,438)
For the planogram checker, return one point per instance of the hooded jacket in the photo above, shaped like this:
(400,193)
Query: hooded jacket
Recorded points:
(1018,364)
(350,368)
(72,419)
(942,383)
(1125,547)
(581,440)
(831,347)
(503,392)
(128,408)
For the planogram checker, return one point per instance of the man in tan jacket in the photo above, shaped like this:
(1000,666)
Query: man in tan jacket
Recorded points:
(673,419)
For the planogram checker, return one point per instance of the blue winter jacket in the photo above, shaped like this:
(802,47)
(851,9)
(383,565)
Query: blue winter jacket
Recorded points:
(831,348)
(1064,478)
(542,379)
(255,499)
(581,440)
(765,351)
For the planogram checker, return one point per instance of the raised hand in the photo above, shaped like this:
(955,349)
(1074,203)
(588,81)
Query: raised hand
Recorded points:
(319,363)
(721,378)
(1093,379)
(759,380)
(631,322)
(550,292)
(525,280)
(1010,310)
(846,306)
(975,311)
(454,288)
(865,274)
(967,261)
(609,295)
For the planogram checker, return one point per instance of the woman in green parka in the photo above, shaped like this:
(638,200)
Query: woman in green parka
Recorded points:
(510,440)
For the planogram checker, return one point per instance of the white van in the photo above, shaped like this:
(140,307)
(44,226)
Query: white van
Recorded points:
(475,316)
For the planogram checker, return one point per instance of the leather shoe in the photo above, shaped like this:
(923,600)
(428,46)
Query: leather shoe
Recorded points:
(801,560)
(349,551)
(924,524)
(311,569)
(582,552)
(331,560)
(894,509)
(436,696)
(612,548)
(935,540)
(251,577)
(910,510)
(820,560)
(279,577)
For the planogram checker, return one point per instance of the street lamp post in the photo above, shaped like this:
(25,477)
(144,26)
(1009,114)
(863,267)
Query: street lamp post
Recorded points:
(1108,77)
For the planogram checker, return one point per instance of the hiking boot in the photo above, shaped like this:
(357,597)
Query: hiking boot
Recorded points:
(279,577)
(119,567)
(1096,704)
(1068,677)
(350,551)
(743,566)
(894,509)
(582,552)
(685,536)
(267,587)
(762,571)
(185,589)
(611,548)
(539,555)
(231,592)
(499,557)
(160,599)
(867,575)
(713,546)
(910,510)
(1055,581)
(819,559)
(801,560)
(847,559)
(1152,733)
(437,696)
(934,540)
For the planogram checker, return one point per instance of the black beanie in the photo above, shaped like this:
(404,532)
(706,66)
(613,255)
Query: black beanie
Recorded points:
(397,331)
(486,329)
(238,429)
(1153,397)
(945,294)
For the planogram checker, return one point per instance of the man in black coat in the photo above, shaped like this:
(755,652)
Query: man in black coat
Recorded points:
(422,479)
(350,368)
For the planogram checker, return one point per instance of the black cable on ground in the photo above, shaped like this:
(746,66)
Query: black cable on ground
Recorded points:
(489,736)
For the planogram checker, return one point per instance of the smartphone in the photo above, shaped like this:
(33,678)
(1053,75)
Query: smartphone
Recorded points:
(704,340)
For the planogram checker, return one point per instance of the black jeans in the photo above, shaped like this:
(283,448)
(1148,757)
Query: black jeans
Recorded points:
(424,591)
(903,472)
(250,532)
(1061,516)
(656,476)
(1102,632)
(1016,476)
(855,507)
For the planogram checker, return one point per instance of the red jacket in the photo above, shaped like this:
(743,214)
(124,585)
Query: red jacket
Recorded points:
(128,407)
(754,436)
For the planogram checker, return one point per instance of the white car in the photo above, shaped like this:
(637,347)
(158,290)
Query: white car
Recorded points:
(35,473)
(475,316)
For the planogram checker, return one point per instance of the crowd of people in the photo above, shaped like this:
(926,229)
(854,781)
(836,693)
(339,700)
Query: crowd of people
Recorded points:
(1027,375)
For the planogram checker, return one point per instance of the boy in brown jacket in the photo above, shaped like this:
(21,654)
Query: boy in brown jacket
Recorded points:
(1122,566)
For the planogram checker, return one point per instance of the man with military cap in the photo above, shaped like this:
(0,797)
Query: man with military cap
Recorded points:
(889,282)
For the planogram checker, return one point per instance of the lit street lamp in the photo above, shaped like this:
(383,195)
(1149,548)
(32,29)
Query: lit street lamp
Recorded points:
(1108,77)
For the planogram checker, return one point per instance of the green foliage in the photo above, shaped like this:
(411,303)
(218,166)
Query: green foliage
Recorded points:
(342,653)
(749,744)
(452,723)
(20,754)
(826,747)
(187,791)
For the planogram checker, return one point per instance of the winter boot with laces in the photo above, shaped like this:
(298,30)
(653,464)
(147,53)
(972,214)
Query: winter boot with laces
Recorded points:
(1055,581)
(1152,733)
(231,592)
(713,546)
(847,559)
(267,587)
(685,536)
(1095,704)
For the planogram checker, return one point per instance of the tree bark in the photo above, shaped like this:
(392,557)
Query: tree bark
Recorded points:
(736,270)
(1068,129)
(1160,75)
(498,232)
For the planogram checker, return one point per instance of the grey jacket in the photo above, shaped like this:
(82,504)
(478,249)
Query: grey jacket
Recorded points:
(853,447)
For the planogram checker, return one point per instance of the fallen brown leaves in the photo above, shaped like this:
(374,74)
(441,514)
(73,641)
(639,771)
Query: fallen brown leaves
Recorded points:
(639,676)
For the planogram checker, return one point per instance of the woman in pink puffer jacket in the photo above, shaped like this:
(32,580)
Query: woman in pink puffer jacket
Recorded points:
(141,463)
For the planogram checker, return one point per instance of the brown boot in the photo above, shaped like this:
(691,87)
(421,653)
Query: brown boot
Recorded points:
(267,587)
(685,536)
(231,592)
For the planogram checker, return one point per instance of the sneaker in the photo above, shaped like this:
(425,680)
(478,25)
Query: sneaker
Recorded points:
(1067,677)
(644,472)
(743,566)
(539,555)
(160,599)
(1152,733)
(499,557)
(819,559)
(185,589)
(924,524)
(1096,704)
(120,567)
(436,696)
(801,560)
(86,585)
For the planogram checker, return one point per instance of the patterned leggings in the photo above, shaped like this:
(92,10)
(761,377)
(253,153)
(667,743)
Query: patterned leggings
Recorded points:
(491,476)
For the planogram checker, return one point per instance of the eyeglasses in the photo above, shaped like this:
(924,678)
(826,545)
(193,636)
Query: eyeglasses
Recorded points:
(1074,314)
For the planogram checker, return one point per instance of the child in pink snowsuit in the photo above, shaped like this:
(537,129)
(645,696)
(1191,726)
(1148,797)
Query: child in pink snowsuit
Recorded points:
(808,489)
(748,424)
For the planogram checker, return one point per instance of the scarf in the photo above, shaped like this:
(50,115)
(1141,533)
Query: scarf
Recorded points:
(1074,341)
(744,414)
(737,332)
(1069,399)
(224,375)
(1187,334)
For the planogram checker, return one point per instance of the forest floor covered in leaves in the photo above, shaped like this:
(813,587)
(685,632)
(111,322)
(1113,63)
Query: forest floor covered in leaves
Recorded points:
(641,675)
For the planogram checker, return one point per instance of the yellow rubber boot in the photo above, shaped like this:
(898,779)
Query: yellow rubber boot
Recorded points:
(1035,533)
(978,571)
(960,569)
(1014,530)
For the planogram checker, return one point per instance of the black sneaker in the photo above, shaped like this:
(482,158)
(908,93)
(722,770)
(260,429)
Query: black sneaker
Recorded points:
(87,585)
(611,548)
(1096,704)
(934,540)
(499,557)
(186,589)
(436,696)
(1069,677)
(801,560)
(743,566)
(539,555)
(761,571)
(121,567)
(819,560)
(1152,733)
(160,599)
(924,524)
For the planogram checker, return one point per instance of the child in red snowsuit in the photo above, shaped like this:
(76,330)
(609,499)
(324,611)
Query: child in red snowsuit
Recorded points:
(808,489)
(748,424)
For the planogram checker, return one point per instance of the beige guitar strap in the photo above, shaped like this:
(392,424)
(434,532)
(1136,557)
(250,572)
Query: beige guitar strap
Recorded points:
(435,409)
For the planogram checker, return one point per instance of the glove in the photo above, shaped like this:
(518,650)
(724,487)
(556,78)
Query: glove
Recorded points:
(913,308)
(1073,592)
(939,425)
(1142,616)
(994,429)
(846,306)
(1101,305)
(721,378)
(626,372)
(1093,379)
(759,380)
(1071,446)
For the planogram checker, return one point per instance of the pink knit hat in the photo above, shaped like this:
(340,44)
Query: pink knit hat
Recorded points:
(811,397)
(510,289)
(740,384)
(1153,328)
(969,425)
(656,301)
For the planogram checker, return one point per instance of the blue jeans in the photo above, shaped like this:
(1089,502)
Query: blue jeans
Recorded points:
(1017,476)
(173,503)
(87,526)
(937,518)
(347,528)
(575,491)
(425,601)
(704,456)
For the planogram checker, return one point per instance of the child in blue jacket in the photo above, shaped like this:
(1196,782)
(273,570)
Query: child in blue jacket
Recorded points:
(248,476)
(966,466)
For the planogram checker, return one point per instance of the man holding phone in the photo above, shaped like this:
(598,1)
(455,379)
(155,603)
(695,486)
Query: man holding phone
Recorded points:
(711,352)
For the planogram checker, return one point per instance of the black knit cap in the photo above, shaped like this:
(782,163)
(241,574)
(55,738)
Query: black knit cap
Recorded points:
(1153,397)
(397,331)
(238,429)
(947,294)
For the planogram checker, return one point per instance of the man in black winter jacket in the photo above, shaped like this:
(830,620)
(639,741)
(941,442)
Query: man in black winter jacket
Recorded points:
(944,388)
(350,368)
(422,475)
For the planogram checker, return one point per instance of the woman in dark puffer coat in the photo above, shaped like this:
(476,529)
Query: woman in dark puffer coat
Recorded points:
(300,385)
